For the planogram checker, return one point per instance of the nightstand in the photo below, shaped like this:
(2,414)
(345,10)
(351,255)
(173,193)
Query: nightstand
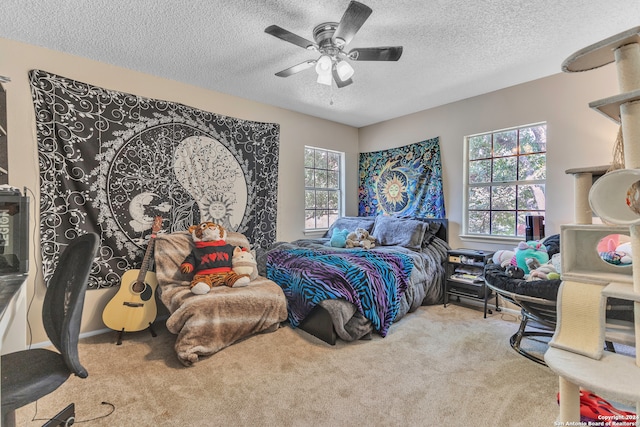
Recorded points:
(465,276)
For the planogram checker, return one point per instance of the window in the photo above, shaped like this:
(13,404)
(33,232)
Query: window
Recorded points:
(322,187)
(505,180)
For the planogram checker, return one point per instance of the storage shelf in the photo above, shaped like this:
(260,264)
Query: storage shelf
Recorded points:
(471,262)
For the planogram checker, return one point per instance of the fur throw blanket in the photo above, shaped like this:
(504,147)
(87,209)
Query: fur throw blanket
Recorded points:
(206,324)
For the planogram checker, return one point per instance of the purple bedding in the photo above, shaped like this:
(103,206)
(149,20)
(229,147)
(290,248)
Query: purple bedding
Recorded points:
(374,281)
(423,285)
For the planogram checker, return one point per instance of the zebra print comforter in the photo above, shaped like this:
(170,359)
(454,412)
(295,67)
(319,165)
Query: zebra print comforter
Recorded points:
(383,284)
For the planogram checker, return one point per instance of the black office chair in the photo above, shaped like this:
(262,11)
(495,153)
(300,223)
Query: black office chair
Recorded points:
(31,374)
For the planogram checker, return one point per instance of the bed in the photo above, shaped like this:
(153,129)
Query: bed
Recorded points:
(351,293)
(206,324)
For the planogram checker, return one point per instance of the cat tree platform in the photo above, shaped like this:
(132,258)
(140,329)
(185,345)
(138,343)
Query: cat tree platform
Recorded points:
(611,107)
(601,53)
(613,375)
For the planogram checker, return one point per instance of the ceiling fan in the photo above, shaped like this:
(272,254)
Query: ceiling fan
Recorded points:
(330,41)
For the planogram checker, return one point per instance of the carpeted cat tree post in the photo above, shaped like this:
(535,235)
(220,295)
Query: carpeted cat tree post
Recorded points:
(576,352)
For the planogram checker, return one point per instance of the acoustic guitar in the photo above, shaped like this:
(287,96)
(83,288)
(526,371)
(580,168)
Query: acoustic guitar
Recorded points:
(133,307)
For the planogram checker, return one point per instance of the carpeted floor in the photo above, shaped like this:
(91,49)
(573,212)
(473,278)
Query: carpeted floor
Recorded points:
(437,367)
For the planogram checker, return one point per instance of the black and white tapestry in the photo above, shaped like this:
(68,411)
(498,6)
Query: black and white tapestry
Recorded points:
(110,162)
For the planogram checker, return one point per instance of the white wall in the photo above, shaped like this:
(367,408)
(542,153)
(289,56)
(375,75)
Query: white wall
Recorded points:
(296,131)
(577,136)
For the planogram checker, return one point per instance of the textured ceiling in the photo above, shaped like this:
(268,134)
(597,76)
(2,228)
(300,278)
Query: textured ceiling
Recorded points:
(453,49)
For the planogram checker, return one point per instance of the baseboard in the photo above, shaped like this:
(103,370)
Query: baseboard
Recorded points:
(491,305)
(44,344)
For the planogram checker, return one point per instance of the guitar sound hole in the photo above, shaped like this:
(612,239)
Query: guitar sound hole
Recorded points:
(145,291)
(138,287)
(146,294)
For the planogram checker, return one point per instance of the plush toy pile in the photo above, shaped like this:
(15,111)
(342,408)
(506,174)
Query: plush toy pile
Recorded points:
(360,238)
(529,260)
(211,260)
(617,255)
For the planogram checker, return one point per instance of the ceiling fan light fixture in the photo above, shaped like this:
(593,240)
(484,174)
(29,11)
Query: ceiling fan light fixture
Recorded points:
(323,66)
(325,79)
(345,70)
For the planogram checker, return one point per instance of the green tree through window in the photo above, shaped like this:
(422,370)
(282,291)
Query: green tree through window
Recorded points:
(505,180)
(322,187)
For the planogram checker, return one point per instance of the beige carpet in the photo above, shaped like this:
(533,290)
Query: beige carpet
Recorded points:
(437,367)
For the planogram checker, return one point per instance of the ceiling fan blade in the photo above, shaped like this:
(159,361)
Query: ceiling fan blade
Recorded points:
(336,77)
(387,53)
(353,18)
(288,36)
(296,68)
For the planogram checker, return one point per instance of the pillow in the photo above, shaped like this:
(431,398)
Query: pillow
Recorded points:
(391,231)
(350,223)
(237,239)
(339,238)
(430,233)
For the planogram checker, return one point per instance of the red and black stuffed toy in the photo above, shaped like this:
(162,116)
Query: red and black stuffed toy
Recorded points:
(211,259)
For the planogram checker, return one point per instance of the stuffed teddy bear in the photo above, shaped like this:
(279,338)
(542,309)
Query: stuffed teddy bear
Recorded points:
(243,263)
(360,238)
(339,238)
(211,259)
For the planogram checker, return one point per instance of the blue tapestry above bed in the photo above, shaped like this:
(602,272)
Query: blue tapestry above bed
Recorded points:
(373,281)
(111,161)
(403,181)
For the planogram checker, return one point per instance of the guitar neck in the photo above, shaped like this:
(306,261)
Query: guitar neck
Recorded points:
(157,223)
(145,261)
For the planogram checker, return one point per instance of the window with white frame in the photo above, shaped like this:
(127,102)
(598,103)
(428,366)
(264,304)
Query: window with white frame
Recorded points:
(504,180)
(322,187)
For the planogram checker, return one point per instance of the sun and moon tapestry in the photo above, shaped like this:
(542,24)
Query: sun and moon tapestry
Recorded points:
(403,181)
(110,162)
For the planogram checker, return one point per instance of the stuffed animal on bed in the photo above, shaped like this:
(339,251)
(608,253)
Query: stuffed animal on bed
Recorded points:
(243,262)
(211,259)
(360,238)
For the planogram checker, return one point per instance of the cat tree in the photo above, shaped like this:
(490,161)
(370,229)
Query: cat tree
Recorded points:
(576,352)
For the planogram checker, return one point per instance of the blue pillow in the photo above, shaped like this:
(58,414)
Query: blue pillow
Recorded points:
(339,238)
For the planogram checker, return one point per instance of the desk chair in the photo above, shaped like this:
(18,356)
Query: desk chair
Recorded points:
(31,374)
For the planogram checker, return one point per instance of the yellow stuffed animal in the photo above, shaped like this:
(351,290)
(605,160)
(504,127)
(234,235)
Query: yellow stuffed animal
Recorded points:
(211,259)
